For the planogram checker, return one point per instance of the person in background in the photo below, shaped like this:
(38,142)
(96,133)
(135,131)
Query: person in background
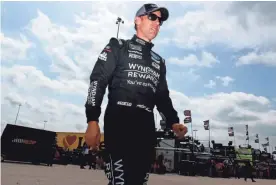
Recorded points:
(248,171)
(84,155)
(237,170)
(202,148)
(92,159)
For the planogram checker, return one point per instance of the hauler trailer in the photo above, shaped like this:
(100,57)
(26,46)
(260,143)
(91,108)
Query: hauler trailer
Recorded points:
(25,144)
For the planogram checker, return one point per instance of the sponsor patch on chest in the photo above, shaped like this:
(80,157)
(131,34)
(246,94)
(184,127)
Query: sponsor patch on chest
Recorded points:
(128,104)
(136,52)
(140,41)
(155,65)
(155,57)
(135,47)
(134,56)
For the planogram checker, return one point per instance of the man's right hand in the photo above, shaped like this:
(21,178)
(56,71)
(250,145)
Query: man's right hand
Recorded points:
(180,130)
(93,134)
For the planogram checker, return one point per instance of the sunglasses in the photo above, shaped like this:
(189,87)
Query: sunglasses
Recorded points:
(153,17)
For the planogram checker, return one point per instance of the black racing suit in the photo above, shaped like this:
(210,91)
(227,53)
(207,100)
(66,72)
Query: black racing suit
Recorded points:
(136,80)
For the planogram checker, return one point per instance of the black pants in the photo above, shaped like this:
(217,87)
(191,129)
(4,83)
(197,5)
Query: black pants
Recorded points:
(129,143)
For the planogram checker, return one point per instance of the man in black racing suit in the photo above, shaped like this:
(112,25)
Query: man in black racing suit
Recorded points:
(136,80)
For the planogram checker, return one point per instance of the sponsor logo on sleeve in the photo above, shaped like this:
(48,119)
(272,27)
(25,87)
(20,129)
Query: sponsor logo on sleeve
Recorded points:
(107,49)
(103,56)
(91,99)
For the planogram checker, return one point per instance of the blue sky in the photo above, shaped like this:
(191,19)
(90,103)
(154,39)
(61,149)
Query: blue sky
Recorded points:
(20,13)
(65,39)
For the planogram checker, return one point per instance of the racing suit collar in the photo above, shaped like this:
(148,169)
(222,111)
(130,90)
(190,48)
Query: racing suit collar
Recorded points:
(142,42)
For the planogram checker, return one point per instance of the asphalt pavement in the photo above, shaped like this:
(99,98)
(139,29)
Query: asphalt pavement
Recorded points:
(26,174)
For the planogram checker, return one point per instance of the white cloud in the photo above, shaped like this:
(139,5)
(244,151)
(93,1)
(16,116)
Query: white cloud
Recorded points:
(227,109)
(226,80)
(222,109)
(207,60)
(221,23)
(31,78)
(15,99)
(265,58)
(59,115)
(211,84)
(13,49)
(74,50)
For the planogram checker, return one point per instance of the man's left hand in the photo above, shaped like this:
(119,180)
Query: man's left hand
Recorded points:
(180,130)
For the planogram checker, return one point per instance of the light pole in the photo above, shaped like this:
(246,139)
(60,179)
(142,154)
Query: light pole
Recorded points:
(44,124)
(17,113)
(119,20)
